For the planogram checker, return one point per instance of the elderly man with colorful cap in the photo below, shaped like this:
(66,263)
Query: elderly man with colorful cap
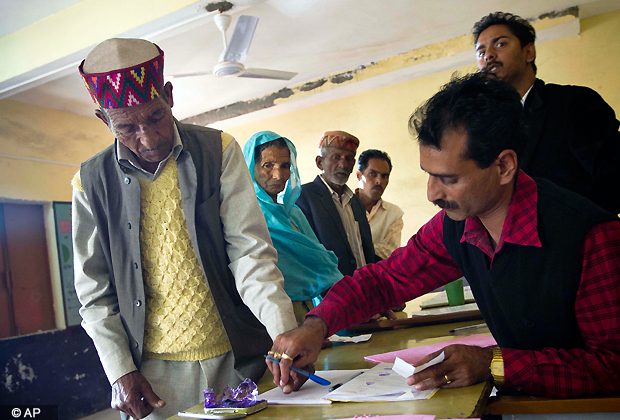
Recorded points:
(170,245)
(335,213)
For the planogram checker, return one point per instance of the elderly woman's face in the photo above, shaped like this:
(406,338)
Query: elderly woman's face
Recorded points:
(273,170)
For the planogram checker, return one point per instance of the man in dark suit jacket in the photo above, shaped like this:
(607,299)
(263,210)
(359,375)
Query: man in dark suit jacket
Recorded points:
(335,213)
(573,133)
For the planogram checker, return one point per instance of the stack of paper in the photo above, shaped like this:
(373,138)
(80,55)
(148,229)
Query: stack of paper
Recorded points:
(380,383)
(447,310)
(310,392)
(355,339)
(441,298)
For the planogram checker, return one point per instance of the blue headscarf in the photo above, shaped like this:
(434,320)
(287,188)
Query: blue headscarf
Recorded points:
(308,268)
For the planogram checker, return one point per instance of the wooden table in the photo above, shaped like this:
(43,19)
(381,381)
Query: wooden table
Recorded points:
(446,403)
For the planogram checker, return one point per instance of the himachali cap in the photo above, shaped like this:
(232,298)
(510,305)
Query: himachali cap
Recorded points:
(340,139)
(122,72)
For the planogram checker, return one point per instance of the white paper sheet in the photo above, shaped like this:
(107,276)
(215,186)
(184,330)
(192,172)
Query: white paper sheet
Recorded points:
(310,392)
(447,310)
(356,339)
(405,370)
(380,383)
(441,298)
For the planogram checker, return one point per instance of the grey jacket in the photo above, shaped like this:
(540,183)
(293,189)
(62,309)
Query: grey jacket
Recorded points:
(113,195)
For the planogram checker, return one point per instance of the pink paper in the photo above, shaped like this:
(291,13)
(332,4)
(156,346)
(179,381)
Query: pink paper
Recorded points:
(415,354)
(398,417)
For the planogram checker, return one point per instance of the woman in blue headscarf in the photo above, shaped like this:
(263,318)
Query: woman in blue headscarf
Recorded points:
(308,268)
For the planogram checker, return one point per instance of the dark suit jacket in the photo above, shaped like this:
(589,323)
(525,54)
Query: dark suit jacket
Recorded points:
(574,142)
(317,204)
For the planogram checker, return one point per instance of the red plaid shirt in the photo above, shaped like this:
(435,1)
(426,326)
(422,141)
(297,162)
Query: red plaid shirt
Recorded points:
(424,264)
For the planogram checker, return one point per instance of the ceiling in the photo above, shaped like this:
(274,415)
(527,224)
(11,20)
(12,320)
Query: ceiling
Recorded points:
(42,41)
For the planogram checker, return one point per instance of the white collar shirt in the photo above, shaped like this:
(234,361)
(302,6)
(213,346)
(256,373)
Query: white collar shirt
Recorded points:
(351,226)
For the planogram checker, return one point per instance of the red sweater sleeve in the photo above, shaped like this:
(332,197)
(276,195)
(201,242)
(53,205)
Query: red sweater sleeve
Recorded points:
(411,271)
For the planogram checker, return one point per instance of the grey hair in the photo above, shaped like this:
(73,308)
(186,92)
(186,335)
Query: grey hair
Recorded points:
(322,151)
(105,114)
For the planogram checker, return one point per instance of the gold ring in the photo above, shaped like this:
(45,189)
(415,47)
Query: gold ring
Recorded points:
(286,356)
(271,353)
(277,355)
(447,380)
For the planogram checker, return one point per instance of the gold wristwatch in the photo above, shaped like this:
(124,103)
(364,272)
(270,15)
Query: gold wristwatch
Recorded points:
(497,367)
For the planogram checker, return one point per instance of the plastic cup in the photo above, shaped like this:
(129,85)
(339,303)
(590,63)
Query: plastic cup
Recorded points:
(455,293)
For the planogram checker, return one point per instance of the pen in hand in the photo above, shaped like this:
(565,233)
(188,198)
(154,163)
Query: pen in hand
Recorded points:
(310,376)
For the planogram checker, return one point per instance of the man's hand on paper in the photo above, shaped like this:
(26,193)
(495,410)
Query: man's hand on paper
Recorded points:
(132,394)
(462,366)
(302,345)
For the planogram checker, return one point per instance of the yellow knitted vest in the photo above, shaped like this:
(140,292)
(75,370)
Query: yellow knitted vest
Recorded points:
(182,322)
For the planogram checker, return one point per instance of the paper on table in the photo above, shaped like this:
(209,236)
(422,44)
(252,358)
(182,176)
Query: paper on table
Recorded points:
(447,310)
(356,339)
(378,384)
(441,298)
(310,392)
(414,354)
(405,370)
(396,417)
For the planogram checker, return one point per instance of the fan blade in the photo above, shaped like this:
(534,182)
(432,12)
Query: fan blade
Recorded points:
(268,74)
(198,73)
(241,39)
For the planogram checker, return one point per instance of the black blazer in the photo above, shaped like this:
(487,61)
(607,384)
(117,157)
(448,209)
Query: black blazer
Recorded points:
(317,204)
(574,142)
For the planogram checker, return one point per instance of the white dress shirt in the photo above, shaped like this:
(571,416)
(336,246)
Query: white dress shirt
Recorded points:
(386,224)
(351,227)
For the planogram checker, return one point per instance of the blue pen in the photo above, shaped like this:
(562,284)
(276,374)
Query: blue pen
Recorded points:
(310,376)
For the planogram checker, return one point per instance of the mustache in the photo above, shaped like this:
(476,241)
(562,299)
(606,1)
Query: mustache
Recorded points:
(446,205)
(150,150)
(486,69)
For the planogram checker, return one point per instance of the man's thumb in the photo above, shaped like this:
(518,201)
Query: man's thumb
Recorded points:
(151,398)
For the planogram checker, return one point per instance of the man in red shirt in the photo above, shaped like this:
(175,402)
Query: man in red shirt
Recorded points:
(543,262)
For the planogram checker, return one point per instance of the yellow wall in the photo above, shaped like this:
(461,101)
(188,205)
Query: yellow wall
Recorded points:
(379,117)
(32,132)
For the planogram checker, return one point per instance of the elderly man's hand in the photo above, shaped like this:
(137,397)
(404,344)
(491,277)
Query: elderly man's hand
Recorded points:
(301,347)
(132,394)
(462,366)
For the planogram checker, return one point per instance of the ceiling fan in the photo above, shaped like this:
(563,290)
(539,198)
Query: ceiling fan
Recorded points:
(236,51)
